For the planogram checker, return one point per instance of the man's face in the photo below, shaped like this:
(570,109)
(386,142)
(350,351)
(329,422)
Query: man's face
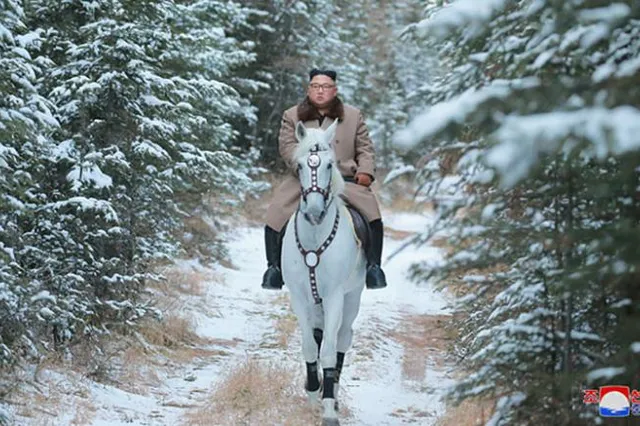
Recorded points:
(322,90)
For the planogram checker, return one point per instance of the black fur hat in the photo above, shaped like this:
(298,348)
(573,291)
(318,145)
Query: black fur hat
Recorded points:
(329,73)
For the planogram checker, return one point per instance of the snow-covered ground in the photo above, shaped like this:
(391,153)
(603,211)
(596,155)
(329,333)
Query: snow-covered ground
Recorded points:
(387,380)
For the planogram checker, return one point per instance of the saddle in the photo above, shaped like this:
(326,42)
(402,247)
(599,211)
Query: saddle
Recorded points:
(360,223)
(361,227)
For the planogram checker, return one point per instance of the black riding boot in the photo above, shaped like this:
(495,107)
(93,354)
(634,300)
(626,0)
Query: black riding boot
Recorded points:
(272,278)
(375,275)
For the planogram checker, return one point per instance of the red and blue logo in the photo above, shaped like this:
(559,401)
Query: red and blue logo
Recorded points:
(614,400)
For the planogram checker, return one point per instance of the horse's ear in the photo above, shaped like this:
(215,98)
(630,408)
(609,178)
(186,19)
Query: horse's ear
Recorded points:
(330,133)
(301,131)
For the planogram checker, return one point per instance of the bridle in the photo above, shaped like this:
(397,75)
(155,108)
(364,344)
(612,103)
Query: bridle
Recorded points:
(312,257)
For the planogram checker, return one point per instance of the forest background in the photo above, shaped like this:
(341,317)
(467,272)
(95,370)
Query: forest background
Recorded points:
(517,120)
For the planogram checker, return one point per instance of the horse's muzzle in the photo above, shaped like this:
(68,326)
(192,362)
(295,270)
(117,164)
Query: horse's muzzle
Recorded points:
(315,220)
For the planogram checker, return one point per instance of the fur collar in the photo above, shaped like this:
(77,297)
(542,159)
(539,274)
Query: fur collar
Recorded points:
(307,111)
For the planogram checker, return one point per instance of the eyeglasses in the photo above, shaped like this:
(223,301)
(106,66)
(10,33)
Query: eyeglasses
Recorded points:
(316,86)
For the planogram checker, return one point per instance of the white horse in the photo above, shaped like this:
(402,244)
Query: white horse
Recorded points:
(323,266)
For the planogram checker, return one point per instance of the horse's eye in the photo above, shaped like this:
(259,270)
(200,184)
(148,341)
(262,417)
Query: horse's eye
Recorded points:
(299,166)
(329,166)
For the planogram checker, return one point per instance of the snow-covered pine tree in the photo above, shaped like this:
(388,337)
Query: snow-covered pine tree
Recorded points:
(359,39)
(283,34)
(203,63)
(206,58)
(358,43)
(546,94)
(142,117)
(110,206)
(392,73)
(24,117)
(362,41)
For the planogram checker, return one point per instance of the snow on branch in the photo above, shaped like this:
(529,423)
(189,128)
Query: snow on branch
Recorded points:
(5,153)
(523,138)
(470,15)
(89,174)
(87,204)
(505,405)
(611,14)
(456,111)
(606,373)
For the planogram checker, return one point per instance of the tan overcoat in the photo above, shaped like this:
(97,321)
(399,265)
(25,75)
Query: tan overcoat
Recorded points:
(354,154)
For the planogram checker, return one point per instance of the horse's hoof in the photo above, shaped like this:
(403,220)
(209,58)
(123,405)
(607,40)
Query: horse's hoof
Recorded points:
(314,397)
(329,415)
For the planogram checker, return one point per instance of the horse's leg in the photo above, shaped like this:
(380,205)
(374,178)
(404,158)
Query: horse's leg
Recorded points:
(310,351)
(317,335)
(345,334)
(313,375)
(328,356)
(318,324)
(309,348)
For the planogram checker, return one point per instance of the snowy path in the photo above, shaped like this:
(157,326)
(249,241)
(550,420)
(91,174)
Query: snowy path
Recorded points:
(391,377)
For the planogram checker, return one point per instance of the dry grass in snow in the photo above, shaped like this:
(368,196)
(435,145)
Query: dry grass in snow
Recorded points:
(286,323)
(425,339)
(257,393)
(469,413)
(44,396)
(182,281)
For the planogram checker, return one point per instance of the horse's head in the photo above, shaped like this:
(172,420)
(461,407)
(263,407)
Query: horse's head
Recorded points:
(320,179)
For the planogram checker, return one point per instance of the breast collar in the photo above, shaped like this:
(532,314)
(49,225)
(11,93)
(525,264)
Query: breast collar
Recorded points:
(312,257)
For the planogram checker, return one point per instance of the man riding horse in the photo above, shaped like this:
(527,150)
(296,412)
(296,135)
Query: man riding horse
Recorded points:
(355,156)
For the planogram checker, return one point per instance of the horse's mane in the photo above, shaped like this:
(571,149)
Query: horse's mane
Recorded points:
(316,138)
